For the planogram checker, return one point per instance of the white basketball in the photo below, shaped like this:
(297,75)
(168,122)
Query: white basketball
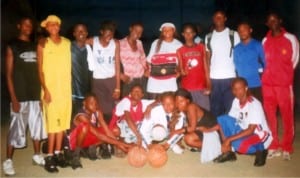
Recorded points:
(158,133)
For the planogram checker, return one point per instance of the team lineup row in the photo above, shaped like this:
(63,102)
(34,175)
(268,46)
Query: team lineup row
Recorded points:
(205,73)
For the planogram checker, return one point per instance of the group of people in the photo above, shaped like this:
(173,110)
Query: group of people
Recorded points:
(100,91)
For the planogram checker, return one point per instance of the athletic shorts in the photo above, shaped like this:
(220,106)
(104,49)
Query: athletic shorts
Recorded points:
(30,115)
(90,138)
(126,132)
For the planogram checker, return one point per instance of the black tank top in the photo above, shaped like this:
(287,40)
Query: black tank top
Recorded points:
(25,71)
(81,76)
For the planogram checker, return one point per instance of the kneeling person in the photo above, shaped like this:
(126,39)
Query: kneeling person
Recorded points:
(245,128)
(90,129)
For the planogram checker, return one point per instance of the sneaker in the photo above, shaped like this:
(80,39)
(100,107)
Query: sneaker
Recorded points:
(92,152)
(50,164)
(228,156)
(286,156)
(177,149)
(273,153)
(8,167)
(38,160)
(75,163)
(260,158)
(60,160)
(195,150)
(104,152)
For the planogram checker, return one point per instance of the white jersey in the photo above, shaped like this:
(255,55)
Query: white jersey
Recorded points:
(103,59)
(221,62)
(125,103)
(157,85)
(158,116)
(252,113)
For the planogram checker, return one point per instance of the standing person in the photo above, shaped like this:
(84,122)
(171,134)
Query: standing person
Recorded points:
(193,67)
(105,62)
(249,59)
(219,46)
(81,76)
(24,90)
(133,59)
(282,55)
(54,64)
(163,61)
(245,128)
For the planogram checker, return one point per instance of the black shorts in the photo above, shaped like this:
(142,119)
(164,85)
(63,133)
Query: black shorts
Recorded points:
(208,121)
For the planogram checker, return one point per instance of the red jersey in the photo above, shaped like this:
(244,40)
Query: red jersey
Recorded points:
(193,61)
(282,53)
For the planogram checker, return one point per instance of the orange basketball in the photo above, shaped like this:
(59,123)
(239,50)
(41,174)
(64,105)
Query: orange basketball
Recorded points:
(157,156)
(137,156)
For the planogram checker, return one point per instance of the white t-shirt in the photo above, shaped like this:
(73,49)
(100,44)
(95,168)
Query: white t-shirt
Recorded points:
(161,85)
(124,105)
(252,113)
(103,59)
(158,116)
(221,63)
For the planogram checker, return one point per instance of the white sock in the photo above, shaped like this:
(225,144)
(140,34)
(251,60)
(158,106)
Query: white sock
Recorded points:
(56,152)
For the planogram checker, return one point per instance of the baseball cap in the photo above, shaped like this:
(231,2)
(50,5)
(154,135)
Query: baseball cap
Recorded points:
(167,24)
(50,18)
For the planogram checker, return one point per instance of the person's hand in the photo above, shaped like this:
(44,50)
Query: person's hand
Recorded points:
(206,91)
(116,94)
(226,146)
(47,97)
(16,106)
(125,78)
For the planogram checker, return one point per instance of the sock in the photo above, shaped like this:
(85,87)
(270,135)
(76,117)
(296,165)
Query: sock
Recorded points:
(50,154)
(56,152)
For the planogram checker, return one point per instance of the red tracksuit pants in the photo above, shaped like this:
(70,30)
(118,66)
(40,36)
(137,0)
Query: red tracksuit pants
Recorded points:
(282,97)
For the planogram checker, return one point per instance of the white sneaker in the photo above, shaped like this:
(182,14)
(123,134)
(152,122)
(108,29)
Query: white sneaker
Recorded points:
(177,149)
(8,167)
(38,160)
(273,153)
(286,156)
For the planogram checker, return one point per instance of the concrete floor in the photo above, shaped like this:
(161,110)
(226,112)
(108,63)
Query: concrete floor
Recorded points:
(186,165)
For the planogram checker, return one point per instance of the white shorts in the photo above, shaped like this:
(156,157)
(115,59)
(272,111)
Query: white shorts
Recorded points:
(30,114)
(126,132)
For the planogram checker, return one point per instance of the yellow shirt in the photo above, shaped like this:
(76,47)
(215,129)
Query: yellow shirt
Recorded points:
(57,74)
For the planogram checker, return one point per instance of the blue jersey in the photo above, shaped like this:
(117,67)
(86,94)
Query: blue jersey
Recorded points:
(249,59)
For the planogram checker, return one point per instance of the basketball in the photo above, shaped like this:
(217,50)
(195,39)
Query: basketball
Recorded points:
(159,132)
(157,156)
(137,156)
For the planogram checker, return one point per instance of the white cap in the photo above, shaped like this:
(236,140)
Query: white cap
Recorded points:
(167,24)
(158,132)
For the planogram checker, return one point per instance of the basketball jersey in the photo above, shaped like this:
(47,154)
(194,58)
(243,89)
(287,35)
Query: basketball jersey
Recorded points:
(104,59)
(193,62)
(25,70)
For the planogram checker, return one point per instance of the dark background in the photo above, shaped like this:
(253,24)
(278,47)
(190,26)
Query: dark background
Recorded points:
(152,13)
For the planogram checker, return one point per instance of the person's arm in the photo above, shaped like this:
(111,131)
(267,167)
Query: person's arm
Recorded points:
(9,76)
(47,95)
(117,90)
(182,71)
(207,71)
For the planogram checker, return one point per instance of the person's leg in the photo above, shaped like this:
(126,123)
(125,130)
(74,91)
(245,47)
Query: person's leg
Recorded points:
(193,140)
(270,108)
(227,95)
(228,126)
(215,98)
(58,155)
(286,104)
(201,99)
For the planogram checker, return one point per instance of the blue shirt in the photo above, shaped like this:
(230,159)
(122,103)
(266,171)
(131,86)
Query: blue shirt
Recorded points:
(248,60)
